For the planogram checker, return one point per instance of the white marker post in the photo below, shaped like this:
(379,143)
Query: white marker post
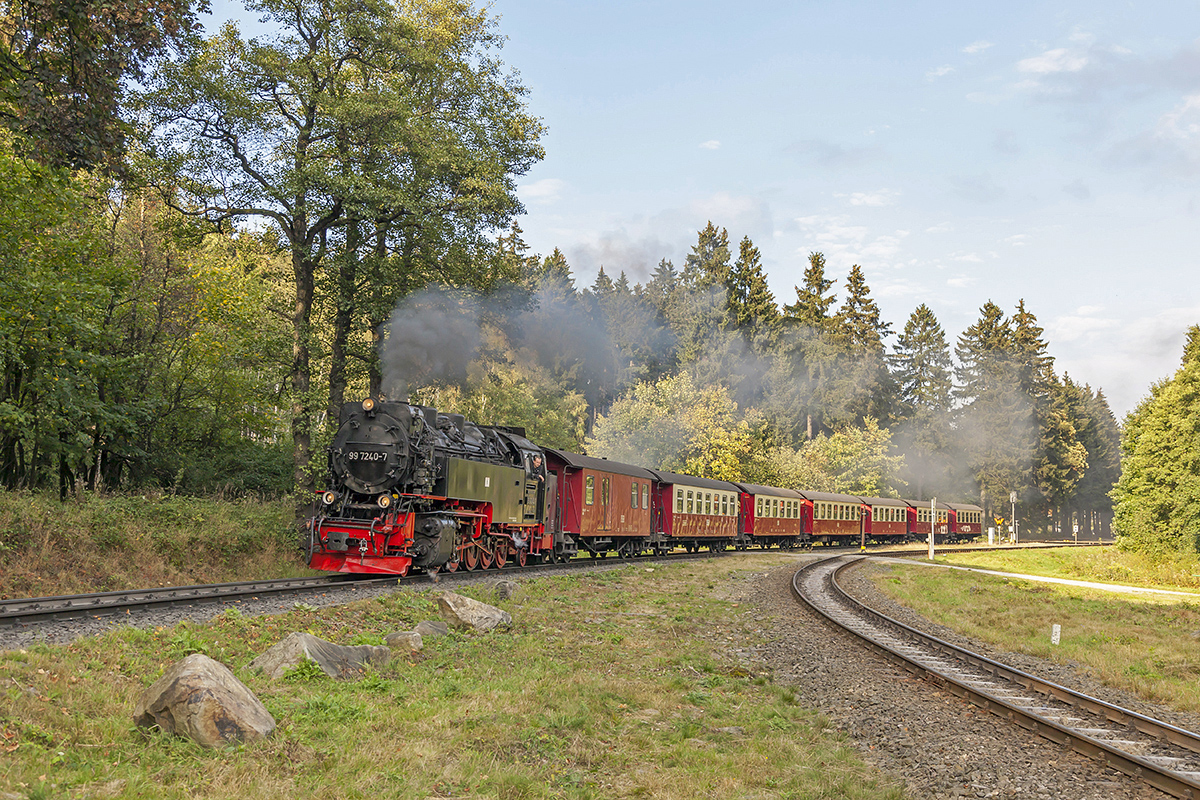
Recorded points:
(932,524)
(1055,634)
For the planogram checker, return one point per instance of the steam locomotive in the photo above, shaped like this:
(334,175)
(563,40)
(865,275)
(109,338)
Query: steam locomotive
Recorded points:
(413,488)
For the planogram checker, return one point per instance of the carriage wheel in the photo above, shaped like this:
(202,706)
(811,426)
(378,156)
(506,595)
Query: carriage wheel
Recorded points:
(470,557)
(501,550)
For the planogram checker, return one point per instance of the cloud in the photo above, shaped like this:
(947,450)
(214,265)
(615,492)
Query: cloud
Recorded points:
(977,47)
(711,144)
(1058,60)
(977,188)
(849,244)
(1078,189)
(1172,147)
(547,190)
(883,197)
(832,154)
(960,282)
(617,251)
(1006,143)
(1018,239)
(938,72)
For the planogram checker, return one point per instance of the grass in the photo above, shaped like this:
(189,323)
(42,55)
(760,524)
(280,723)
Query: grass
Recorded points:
(609,684)
(109,542)
(1101,564)
(1149,645)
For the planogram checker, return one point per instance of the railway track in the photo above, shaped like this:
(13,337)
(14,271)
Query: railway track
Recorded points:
(1158,753)
(32,611)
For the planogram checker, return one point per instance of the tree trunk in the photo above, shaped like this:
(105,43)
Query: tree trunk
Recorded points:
(344,296)
(303,269)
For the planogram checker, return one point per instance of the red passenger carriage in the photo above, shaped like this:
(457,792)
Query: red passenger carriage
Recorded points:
(886,519)
(770,515)
(696,512)
(602,505)
(966,522)
(837,518)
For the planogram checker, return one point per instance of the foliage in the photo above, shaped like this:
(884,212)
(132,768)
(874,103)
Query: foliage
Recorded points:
(676,426)
(1157,499)
(63,64)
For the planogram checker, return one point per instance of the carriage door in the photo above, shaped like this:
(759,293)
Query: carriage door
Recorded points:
(605,510)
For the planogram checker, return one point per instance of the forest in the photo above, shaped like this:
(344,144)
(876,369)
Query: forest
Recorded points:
(211,242)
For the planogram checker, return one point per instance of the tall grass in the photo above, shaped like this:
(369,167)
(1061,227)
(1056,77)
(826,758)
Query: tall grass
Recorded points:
(108,542)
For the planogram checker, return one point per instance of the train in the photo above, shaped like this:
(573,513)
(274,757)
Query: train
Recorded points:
(413,489)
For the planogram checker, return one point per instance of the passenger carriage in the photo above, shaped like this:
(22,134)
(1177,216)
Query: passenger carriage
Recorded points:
(695,512)
(966,522)
(836,518)
(603,506)
(886,519)
(772,516)
(920,521)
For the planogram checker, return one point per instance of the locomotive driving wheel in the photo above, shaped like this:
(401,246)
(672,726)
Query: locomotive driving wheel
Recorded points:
(522,556)
(485,555)
(501,550)
(470,557)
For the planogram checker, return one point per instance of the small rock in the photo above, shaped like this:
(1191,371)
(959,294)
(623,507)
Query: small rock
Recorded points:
(405,640)
(504,589)
(432,627)
(335,660)
(463,612)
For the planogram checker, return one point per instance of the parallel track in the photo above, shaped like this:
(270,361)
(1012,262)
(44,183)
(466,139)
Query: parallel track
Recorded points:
(1161,754)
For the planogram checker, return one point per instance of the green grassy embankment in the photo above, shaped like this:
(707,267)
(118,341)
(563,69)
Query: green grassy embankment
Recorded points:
(1148,644)
(609,684)
(108,542)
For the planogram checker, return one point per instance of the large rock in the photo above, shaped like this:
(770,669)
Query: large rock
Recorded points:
(335,660)
(201,699)
(463,612)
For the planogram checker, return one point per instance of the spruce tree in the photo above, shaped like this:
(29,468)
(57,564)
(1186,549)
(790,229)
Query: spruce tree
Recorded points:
(751,303)
(812,304)
(1158,495)
(922,363)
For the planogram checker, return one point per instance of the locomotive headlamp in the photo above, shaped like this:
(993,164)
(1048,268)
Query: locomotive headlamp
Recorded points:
(328,498)
(369,404)
(384,500)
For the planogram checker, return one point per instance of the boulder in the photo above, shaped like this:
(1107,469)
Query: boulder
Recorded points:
(405,640)
(201,699)
(463,612)
(430,628)
(335,660)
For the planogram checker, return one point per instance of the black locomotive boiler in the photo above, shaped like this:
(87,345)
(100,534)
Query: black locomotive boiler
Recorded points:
(412,487)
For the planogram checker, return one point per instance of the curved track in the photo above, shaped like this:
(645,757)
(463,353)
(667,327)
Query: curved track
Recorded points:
(1163,755)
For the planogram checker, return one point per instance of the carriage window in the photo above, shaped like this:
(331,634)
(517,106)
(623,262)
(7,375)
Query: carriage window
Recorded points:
(679,501)
(589,492)
(633,495)
(708,502)
(645,495)
(758,506)
(774,508)
(724,506)
(690,506)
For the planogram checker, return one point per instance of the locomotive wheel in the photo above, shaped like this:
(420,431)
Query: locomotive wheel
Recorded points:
(485,557)
(522,557)
(450,566)
(471,557)
(501,552)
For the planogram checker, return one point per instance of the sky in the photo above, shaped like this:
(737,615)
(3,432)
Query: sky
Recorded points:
(959,152)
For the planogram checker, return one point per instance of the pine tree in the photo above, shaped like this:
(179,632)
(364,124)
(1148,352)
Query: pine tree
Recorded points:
(708,263)
(922,363)
(812,304)
(751,303)
(1158,496)
(858,318)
